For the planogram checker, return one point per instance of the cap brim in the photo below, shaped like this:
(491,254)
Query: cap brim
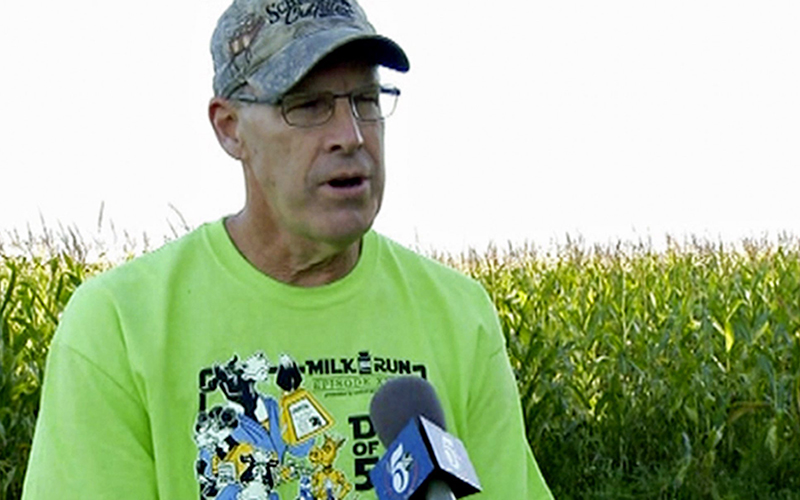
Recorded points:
(287,67)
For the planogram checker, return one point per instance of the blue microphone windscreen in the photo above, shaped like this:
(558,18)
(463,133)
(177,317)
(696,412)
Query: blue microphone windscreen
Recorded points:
(399,400)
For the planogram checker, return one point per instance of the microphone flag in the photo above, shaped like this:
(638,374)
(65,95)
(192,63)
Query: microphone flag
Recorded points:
(421,453)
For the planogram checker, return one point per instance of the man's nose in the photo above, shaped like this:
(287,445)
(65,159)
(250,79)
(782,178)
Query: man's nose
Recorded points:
(344,128)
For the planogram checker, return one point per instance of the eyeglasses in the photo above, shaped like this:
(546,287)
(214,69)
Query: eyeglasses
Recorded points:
(373,103)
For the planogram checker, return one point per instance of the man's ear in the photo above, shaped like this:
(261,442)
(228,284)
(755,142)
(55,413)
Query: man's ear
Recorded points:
(224,116)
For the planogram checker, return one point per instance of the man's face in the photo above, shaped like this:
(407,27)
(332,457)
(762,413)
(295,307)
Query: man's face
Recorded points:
(323,183)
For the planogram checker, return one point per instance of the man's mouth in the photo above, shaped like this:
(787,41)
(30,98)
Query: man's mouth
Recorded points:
(347,182)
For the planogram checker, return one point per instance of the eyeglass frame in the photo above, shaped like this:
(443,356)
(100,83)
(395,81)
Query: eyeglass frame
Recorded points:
(329,97)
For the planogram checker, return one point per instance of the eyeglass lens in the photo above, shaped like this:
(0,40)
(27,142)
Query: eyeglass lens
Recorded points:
(367,104)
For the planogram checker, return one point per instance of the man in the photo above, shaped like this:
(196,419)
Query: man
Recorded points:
(239,361)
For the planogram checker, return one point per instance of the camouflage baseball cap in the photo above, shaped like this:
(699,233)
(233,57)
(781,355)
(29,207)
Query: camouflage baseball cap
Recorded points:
(272,44)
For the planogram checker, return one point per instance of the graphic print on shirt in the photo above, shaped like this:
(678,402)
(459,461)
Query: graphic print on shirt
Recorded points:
(262,432)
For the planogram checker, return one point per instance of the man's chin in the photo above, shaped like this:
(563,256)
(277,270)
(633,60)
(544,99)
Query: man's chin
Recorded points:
(342,232)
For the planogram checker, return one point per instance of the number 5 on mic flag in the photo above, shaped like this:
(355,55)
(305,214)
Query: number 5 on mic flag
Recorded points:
(423,452)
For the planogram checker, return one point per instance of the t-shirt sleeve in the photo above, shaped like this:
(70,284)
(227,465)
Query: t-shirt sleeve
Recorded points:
(92,437)
(496,441)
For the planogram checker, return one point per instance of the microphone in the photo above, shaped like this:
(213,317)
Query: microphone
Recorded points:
(422,460)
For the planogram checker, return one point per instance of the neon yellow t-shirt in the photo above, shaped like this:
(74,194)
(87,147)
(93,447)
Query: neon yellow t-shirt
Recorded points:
(187,373)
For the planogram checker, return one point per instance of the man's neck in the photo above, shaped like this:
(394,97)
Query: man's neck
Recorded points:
(303,264)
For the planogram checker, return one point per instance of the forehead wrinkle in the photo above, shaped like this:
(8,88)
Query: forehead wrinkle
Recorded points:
(323,77)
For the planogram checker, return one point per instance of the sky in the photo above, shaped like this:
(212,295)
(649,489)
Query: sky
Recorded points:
(519,121)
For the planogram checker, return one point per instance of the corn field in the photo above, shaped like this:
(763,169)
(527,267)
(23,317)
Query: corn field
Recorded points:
(643,374)
(656,375)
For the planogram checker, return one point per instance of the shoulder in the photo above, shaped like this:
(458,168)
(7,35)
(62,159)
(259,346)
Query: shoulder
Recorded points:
(158,265)
(140,282)
(424,271)
(102,305)
(415,262)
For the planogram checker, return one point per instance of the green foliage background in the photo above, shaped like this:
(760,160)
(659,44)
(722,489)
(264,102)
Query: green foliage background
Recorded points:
(642,374)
